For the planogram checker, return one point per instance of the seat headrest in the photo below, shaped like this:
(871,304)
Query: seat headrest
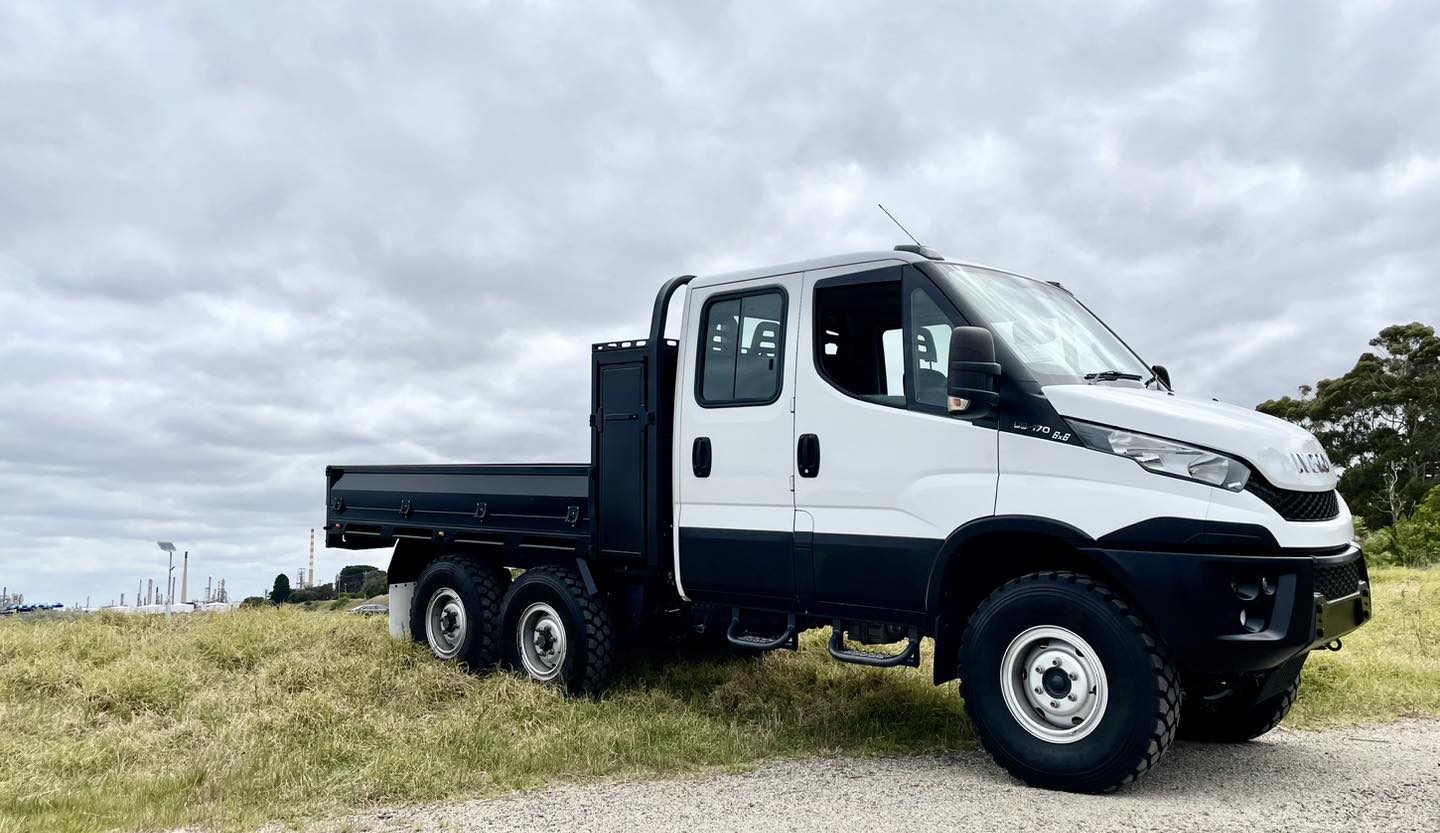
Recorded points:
(765,339)
(924,346)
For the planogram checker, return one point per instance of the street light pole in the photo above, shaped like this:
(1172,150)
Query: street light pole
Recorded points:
(169,576)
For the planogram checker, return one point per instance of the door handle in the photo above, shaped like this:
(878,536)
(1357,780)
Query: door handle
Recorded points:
(807,455)
(700,456)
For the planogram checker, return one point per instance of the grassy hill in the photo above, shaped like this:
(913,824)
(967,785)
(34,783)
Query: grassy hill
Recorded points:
(229,721)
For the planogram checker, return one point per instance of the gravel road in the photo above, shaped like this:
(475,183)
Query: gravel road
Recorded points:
(1365,779)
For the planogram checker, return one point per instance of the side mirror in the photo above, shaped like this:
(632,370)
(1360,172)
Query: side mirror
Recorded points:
(1163,375)
(973,382)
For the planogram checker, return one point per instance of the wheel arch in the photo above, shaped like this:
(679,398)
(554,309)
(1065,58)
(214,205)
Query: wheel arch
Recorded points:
(409,560)
(965,570)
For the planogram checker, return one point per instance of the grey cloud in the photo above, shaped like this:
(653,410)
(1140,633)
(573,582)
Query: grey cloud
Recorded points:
(240,242)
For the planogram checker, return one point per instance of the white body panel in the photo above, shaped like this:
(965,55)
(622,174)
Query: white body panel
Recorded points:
(749,487)
(1093,492)
(886,471)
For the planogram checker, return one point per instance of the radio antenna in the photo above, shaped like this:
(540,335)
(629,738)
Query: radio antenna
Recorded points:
(897,222)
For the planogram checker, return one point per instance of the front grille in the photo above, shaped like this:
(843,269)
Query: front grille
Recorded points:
(1336,581)
(1295,506)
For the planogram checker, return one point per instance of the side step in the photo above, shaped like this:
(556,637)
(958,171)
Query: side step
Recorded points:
(788,639)
(910,656)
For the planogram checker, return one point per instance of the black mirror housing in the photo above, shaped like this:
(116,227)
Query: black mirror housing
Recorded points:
(1163,375)
(974,378)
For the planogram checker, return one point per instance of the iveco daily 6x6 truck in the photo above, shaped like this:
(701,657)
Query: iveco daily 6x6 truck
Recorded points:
(896,447)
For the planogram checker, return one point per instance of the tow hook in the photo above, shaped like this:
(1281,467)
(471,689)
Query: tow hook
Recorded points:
(1334,646)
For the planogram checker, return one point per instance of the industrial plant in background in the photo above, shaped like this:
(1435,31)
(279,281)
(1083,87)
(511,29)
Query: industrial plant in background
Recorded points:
(171,595)
(160,597)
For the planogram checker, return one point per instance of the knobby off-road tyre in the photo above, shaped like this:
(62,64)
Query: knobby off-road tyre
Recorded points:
(456,610)
(1223,722)
(557,633)
(1066,685)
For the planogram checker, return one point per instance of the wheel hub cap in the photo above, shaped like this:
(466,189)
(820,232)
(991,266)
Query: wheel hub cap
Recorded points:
(445,623)
(1053,684)
(542,641)
(1056,682)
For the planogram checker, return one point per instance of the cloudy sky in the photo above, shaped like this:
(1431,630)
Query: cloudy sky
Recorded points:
(238,243)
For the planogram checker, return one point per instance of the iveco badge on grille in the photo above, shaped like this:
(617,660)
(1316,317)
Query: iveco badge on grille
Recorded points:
(1311,462)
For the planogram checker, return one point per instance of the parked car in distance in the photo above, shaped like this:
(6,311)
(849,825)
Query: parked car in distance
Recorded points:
(370,609)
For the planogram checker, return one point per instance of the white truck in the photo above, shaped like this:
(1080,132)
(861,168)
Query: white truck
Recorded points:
(899,448)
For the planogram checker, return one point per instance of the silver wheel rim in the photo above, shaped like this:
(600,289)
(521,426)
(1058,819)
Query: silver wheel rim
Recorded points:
(445,623)
(1054,684)
(541,641)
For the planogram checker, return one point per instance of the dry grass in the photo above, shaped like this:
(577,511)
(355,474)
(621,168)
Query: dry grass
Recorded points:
(230,721)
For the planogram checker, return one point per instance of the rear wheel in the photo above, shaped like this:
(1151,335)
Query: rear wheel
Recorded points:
(1236,719)
(1066,685)
(557,632)
(455,610)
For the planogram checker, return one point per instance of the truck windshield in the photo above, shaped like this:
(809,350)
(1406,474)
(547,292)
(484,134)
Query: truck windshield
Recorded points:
(1045,327)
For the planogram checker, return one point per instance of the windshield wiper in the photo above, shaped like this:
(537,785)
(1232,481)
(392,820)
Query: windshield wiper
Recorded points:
(1112,376)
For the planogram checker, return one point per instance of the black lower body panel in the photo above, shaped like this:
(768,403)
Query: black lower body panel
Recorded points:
(1240,613)
(718,564)
(868,577)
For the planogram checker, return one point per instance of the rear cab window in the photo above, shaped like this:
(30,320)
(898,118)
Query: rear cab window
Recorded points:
(742,345)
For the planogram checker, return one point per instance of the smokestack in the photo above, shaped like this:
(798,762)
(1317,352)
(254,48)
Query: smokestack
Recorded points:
(149,591)
(185,578)
(311,574)
(122,599)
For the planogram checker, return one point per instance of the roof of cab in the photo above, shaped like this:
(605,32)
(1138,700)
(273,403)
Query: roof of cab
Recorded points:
(814,263)
(850,259)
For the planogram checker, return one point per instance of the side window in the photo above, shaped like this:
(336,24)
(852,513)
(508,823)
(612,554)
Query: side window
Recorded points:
(930,347)
(858,340)
(742,343)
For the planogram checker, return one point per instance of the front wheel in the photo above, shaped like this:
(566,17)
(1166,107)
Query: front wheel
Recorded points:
(1066,685)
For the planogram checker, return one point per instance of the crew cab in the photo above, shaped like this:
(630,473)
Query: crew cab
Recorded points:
(913,452)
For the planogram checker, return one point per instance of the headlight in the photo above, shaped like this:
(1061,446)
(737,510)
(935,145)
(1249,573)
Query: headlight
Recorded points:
(1165,456)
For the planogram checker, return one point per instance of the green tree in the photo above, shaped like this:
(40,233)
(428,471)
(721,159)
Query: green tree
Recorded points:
(281,592)
(1413,541)
(352,578)
(1380,422)
(376,583)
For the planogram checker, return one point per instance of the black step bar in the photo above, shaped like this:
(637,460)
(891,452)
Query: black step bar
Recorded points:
(789,639)
(910,656)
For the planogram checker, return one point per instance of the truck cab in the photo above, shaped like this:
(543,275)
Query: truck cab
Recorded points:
(911,451)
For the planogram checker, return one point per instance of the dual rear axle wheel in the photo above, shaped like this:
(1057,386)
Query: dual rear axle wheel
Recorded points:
(544,623)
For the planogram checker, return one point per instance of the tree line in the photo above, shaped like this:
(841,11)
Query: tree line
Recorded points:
(360,580)
(1380,422)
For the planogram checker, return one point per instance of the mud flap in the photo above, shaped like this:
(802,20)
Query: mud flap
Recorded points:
(400,597)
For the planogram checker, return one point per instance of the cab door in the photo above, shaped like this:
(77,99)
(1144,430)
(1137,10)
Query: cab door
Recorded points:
(883,472)
(733,459)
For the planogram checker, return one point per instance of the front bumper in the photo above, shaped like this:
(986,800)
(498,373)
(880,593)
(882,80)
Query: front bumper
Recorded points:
(1229,613)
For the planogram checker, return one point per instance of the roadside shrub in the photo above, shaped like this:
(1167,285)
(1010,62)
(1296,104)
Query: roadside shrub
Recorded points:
(1412,541)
